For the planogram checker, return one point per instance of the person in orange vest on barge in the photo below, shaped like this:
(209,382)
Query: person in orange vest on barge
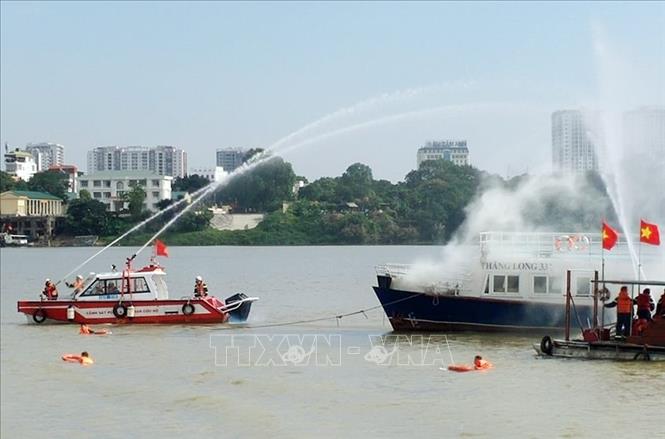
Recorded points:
(645,305)
(624,305)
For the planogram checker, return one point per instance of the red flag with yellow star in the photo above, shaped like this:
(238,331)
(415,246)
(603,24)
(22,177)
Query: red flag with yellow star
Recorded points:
(609,235)
(649,233)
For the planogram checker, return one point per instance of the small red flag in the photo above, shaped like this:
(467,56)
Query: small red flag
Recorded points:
(161,249)
(610,236)
(649,233)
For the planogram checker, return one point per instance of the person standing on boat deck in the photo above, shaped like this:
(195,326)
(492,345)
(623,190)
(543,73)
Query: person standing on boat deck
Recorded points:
(50,291)
(200,288)
(624,305)
(660,308)
(645,305)
(77,285)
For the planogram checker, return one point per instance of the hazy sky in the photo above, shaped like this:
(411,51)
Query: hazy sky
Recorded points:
(208,75)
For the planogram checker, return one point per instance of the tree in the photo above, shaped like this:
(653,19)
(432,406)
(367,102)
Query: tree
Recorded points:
(189,183)
(135,197)
(262,189)
(194,221)
(7,183)
(356,182)
(87,217)
(54,183)
(249,155)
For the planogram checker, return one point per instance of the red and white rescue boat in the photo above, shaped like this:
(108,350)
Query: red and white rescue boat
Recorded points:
(133,297)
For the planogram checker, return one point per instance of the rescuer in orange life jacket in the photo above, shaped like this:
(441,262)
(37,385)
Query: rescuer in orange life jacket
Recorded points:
(77,285)
(624,305)
(50,290)
(645,305)
(200,288)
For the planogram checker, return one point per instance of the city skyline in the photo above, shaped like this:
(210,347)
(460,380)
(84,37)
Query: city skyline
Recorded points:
(211,75)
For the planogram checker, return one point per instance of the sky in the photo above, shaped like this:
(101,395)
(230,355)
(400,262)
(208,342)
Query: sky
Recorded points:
(383,77)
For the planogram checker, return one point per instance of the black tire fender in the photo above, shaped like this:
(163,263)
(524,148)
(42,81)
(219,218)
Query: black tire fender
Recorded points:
(546,345)
(188,309)
(39,316)
(120,310)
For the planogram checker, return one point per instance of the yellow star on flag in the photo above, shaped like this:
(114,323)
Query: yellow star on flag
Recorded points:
(645,232)
(605,235)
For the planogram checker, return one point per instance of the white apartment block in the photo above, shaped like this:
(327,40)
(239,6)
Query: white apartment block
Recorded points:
(572,148)
(22,164)
(51,154)
(109,187)
(211,174)
(455,151)
(162,160)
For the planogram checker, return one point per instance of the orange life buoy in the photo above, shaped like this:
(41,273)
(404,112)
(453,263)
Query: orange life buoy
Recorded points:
(73,358)
(460,368)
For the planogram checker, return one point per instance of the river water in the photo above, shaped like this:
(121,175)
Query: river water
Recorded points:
(324,379)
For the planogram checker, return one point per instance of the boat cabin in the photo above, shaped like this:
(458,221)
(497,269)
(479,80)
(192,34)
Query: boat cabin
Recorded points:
(149,283)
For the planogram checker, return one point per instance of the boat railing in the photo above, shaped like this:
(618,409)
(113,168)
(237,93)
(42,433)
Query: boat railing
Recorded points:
(547,244)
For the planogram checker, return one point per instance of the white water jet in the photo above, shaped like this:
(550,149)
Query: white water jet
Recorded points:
(633,173)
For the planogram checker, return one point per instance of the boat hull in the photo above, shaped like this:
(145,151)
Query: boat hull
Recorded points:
(414,311)
(602,350)
(176,311)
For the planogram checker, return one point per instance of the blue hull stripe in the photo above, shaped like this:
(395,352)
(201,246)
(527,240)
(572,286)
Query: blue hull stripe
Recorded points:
(413,311)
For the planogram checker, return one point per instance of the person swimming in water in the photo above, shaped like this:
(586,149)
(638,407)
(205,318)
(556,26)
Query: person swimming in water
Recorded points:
(84,359)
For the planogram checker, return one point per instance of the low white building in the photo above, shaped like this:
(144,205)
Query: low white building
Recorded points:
(21,164)
(211,174)
(455,151)
(109,187)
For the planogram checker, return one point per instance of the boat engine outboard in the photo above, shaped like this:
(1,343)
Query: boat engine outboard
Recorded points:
(241,313)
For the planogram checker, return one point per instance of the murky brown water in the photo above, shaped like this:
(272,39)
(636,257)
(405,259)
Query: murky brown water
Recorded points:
(163,381)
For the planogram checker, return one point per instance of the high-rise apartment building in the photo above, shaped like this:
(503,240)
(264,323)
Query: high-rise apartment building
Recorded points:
(455,151)
(230,158)
(51,154)
(573,150)
(162,160)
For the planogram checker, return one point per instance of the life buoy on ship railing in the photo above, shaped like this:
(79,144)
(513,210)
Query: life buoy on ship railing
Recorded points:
(188,309)
(572,242)
(546,345)
(557,243)
(583,242)
(120,310)
(39,316)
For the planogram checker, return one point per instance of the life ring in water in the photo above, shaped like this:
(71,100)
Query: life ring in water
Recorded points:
(546,345)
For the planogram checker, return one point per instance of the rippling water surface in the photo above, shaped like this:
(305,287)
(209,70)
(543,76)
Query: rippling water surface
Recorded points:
(170,381)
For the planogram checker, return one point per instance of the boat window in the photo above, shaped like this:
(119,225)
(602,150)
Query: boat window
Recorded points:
(101,287)
(513,284)
(499,284)
(139,285)
(113,286)
(583,287)
(556,284)
(540,284)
